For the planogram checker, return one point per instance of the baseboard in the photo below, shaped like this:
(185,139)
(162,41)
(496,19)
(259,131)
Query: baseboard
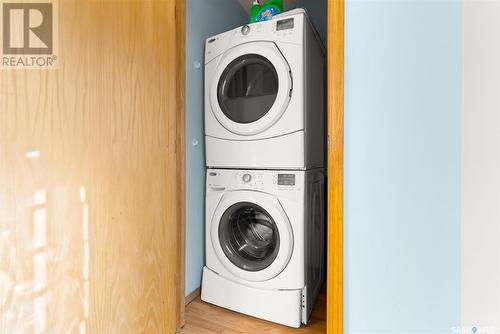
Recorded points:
(192,296)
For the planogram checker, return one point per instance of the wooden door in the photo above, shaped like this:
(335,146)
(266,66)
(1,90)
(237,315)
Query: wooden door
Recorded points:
(91,175)
(335,117)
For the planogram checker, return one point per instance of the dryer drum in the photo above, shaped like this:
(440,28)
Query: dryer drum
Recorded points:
(247,88)
(249,236)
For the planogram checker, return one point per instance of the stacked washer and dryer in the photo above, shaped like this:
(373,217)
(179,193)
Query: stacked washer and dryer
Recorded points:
(265,153)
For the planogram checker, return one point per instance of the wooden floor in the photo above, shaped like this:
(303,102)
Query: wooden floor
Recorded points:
(204,318)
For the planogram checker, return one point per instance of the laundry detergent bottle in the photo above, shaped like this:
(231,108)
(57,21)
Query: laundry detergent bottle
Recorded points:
(265,11)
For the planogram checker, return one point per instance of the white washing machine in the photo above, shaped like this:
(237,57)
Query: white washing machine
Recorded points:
(265,95)
(264,242)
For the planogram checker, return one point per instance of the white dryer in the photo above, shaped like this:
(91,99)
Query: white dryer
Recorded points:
(264,242)
(265,96)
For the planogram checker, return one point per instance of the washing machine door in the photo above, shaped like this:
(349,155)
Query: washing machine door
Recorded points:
(251,235)
(251,88)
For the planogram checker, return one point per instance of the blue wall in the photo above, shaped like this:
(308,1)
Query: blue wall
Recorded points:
(204,18)
(403,82)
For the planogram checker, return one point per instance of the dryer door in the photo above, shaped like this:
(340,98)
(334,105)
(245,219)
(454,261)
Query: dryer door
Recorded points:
(251,88)
(251,235)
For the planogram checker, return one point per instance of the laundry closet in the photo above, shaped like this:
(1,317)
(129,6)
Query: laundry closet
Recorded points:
(266,160)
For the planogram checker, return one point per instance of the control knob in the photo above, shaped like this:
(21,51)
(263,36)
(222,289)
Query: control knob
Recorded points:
(247,178)
(245,30)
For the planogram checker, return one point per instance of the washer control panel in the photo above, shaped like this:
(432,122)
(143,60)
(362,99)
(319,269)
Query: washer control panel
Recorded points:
(262,180)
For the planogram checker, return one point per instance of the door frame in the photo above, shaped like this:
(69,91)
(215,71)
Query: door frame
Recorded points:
(180,15)
(335,153)
(335,182)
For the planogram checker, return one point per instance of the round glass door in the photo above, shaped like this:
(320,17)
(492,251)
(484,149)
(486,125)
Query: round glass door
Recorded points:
(247,88)
(250,88)
(249,236)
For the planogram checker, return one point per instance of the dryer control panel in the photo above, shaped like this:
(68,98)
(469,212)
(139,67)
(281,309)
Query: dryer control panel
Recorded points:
(262,180)
(288,29)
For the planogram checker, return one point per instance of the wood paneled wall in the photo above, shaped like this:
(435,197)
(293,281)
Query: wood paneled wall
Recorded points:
(335,96)
(91,175)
